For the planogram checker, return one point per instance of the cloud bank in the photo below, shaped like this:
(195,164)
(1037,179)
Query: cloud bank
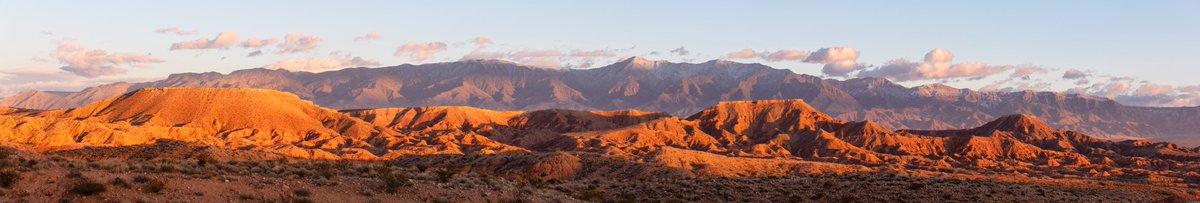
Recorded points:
(369,37)
(298,43)
(420,51)
(938,65)
(316,65)
(95,63)
(175,30)
(223,41)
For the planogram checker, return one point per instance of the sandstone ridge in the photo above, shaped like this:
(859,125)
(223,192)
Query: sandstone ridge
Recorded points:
(736,138)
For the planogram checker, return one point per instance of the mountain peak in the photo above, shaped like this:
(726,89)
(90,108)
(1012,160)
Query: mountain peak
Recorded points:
(639,62)
(1017,123)
(720,62)
(789,106)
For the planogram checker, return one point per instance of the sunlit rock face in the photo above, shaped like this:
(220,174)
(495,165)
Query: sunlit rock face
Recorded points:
(680,89)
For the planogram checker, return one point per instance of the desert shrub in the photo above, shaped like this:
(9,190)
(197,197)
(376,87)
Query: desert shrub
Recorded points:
(422,168)
(509,200)
(590,195)
(155,186)
(534,182)
(74,174)
(87,187)
(204,159)
(795,198)
(7,163)
(343,165)
(4,154)
(916,186)
(302,192)
(57,158)
(30,163)
(392,181)
(167,168)
(121,182)
(444,175)
(9,178)
(326,170)
(846,198)
(381,169)
(140,179)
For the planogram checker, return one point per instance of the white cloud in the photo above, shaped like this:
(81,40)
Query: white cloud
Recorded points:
(841,68)
(482,41)
(1194,89)
(297,43)
(535,54)
(1109,89)
(1025,72)
(175,30)
(832,55)
(1150,94)
(481,54)
(743,54)
(939,55)
(223,41)
(369,37)
(786,55)
(680,51)
(542,58)
(1012,85)
(591,53)
(420,51)
(1074,74)
(336,62)
(839,61)
(95,63)
(938,65)
(1153,89)
(1082,82)
(255,42)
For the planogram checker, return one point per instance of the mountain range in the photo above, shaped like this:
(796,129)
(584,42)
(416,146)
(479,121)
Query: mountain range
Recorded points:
(729,139)
(675,88)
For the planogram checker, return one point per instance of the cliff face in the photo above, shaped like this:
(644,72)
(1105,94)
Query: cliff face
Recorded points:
(677,88)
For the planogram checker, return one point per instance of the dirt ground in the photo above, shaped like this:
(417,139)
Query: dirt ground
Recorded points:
(59,179)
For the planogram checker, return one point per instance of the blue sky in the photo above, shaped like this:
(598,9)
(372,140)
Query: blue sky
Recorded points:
(1120,46)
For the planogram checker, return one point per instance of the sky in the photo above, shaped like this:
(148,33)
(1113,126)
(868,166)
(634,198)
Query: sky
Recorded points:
(1142,53)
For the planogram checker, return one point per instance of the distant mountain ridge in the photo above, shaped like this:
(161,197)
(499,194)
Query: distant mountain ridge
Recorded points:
(677,88)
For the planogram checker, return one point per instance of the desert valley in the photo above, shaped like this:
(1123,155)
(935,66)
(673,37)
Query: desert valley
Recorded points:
(121,101)
(226,141)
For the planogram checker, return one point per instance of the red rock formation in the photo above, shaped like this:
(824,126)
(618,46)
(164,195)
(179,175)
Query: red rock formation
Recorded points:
(676,88)
(727,139)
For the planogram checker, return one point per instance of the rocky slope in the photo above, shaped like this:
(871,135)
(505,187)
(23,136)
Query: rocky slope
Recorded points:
(249,119)
(677,88)
(729,139)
